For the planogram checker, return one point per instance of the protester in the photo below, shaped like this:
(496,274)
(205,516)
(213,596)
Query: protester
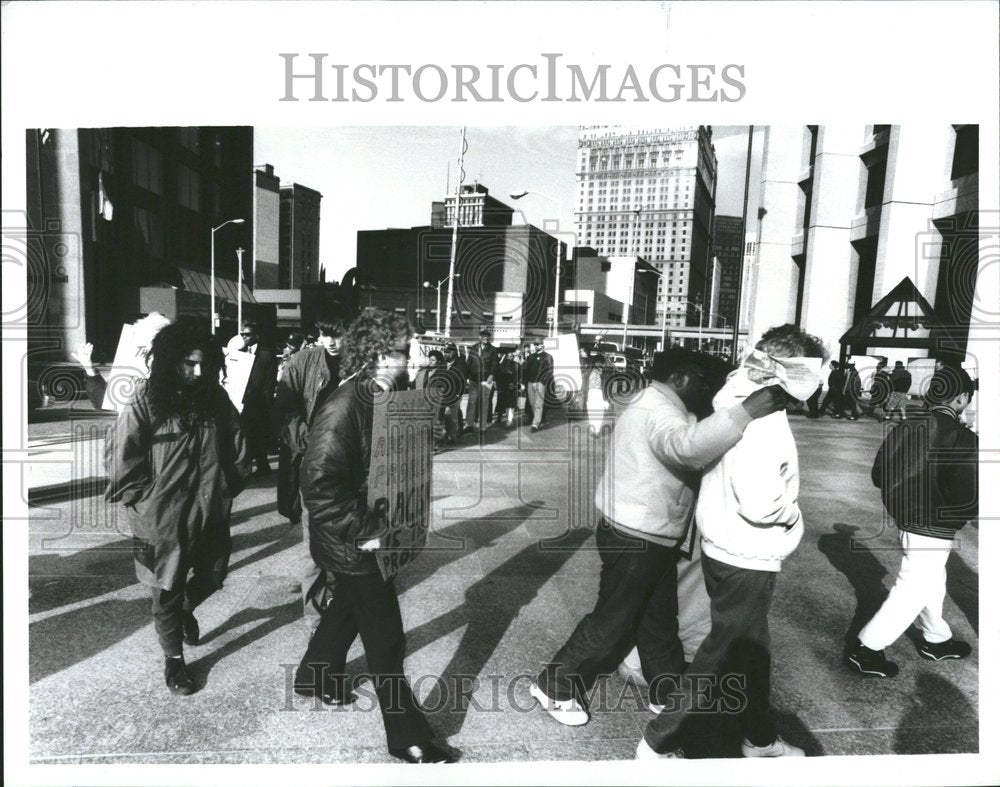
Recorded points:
(926,470)
(749,520)
(311,375)
(482,366)
(258,396)
(506,379)
(646,499)
(176,458)
(429,378)
(538,376)
(344,534)
(900,381)
(455,375)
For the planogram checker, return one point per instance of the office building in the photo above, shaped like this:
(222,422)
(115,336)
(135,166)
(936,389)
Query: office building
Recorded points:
(298,257)
(266,228)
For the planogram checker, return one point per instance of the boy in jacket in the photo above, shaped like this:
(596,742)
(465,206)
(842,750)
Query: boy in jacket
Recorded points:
(749,520)
(927,471)
(646,498)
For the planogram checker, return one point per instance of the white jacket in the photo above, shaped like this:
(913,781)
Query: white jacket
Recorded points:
(652,470)
(747,511)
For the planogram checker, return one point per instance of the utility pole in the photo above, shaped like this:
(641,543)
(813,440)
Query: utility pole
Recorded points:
(239,289)
(454,235)
(743,245)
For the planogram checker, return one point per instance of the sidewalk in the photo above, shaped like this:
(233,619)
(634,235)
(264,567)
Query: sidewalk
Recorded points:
(509,571)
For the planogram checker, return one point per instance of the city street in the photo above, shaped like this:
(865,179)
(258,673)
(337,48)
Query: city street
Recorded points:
(509,570)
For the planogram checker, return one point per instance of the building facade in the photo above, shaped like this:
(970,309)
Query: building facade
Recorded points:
(298,257)
(266,228)
(727,239)
(849,212)
(650,192)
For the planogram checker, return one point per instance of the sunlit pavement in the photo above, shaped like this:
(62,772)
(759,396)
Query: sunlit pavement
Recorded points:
(509,570)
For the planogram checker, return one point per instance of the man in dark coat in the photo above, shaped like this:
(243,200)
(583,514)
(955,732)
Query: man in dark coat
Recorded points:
(835,384)
(344,534)
(539,378)
(483,362)
(257,396)
(455,374)
(900,381)
(176,458)
(310,376)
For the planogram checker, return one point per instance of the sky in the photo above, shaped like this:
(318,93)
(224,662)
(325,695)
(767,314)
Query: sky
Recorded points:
(374,177)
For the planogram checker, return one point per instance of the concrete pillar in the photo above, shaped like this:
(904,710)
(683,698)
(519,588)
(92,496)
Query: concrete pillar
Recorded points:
(831,262)
(777,274)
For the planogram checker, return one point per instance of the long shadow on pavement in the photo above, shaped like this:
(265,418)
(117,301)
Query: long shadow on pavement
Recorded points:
(918,731)
(963,588)
(109,565)
(863,570)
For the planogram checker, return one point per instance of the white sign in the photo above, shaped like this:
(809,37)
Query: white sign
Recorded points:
(565,352)
(238,368)
(129,366)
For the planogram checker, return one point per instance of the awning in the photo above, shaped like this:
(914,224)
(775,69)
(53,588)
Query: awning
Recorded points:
(225,289)
(903,318)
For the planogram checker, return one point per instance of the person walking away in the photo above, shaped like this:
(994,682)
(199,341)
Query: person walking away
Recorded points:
(258,396)
(344,535)
(881,388)
(900,381)
(749,520)
(506,390)
(851,393)
(834,386)
(482,370)
(927,471)
(311,375)
(646,500)
(175,459)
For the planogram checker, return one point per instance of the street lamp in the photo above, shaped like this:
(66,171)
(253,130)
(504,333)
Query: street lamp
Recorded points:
(428,284)
(211,282)
(555,303)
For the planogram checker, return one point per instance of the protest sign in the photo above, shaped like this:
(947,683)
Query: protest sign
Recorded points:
(129,365)
(565,352)
(238,368)
(399,476)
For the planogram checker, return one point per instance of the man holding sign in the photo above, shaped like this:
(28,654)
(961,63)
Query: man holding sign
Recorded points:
(346,532)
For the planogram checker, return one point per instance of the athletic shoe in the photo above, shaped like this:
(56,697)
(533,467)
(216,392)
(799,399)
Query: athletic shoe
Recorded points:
(192,634)
(568,712)
(644,752)
(176,675)
(866,661)
(780,748)
(534,428)
(424,753)
(939,651)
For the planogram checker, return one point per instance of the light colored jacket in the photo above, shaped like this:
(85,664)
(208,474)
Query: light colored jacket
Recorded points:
(659,449)
(748,511)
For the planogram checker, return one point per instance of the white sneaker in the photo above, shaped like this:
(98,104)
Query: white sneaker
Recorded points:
(644,752)
(568,712)
(780,748)
(654,708)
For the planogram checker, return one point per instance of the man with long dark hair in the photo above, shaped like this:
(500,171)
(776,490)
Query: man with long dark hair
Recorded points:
(344,534)
(176,458)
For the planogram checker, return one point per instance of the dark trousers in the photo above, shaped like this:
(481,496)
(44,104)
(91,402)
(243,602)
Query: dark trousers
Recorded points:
(254,421)
(636,602)
(740,642)
(831,399)
(171,606)
(366,604)
(289,505)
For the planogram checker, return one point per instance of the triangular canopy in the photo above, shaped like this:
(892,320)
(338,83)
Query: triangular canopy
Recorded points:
(903,318)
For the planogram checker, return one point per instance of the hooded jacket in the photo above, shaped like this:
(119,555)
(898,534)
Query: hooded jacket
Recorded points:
(748,512)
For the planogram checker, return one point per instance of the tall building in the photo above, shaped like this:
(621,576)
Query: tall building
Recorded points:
(298,257)
(727,237)
(266,228)
(858,221)
(120,221)
(650,192)
(478,209)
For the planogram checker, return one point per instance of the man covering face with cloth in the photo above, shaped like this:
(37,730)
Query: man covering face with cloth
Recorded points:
(748,515)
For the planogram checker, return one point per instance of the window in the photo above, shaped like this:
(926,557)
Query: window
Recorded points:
(188,187)
(148,235)
(146,167)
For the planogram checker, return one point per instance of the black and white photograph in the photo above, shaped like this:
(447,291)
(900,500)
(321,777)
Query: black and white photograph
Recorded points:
(627,418)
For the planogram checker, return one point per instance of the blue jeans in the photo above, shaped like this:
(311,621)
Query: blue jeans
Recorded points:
(636,602)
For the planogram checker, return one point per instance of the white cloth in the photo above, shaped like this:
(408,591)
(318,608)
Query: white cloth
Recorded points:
(800,377)
(747,509)
(918,594)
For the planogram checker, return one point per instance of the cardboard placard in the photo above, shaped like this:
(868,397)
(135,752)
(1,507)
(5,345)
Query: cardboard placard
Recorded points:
(399,477)
(129,365)
(565,352)
(238,368)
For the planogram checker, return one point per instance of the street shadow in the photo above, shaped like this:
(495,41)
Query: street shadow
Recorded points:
(277,538)
(921,730)
(863,570)
(246,514)
(58,642)
(56,580)
(490,606)
(963,588)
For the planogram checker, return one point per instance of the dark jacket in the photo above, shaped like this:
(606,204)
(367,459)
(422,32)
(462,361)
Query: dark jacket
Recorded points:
(452,382)
(260,385)
(335,480)
(927,471)
(881,387)
(539,368)
(177,484)
(306,380)
(901,380)
(482,363)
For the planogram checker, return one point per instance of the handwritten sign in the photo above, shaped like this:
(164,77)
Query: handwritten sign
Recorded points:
(238,368)
(129,366)
(399,478)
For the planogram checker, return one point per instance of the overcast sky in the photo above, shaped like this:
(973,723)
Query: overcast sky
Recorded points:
(375,177)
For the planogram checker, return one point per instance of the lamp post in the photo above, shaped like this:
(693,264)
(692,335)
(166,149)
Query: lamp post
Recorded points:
(428,284)
(555,302)
(211,283)
(239,288)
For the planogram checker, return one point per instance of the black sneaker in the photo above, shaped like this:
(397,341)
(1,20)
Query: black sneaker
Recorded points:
(949,649)
(422,753)
(192,634)
(176,675)
(866,661)
(329,692)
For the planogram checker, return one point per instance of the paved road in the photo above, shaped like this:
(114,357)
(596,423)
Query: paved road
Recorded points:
(511,570)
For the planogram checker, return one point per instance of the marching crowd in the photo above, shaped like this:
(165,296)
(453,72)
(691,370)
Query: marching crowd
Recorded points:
(698,510)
